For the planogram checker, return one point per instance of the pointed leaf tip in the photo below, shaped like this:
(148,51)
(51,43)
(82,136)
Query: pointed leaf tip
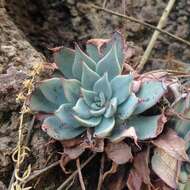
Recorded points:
(103,85)
(109,63)
(89,77)
(64,59)
(80,58)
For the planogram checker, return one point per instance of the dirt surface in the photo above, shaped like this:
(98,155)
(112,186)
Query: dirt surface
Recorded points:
(29,28)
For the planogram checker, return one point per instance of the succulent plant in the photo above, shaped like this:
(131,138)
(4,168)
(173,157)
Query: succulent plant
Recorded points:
(91,92)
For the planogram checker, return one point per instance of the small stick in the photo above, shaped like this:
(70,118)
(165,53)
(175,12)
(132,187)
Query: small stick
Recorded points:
(75,173)
(104,4)
(141,22)
(112,170)
(160,25)
(38,173)
(30,131)
(80,175)
(100,180)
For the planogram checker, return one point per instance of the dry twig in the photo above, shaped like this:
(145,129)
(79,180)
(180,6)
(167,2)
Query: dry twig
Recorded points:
(112,170)
(160,25)
(63,185)
(39,172)
(80,174)
(141,22)
(100,180)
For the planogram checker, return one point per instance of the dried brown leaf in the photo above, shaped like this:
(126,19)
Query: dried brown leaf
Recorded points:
(95,145)
(160,185)
(63,162)
(112,170)
(126,132)
(134,181)
(72,142)
(141,166)
(166,167)
(120,153)
(118,180)
(99,43)
(74,152)
(172,144)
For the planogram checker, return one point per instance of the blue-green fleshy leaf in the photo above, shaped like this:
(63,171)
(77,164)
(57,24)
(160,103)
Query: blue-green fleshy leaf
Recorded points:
(120,132)
(140,127)
(94,106)
(82,109)
(59,131)
(38,102)
(121,87)
(126,109)
(80,58)
(118,40)
(53,90)
(97,50)
(112,108)
(89,77)
(71,90)
(98,112)
(109,63)
(103,85)
(102,98)
(105,127)
(88,96)
(64,59)
(91,122)
(92,51)
(147,127)
(149,94)
(65,114)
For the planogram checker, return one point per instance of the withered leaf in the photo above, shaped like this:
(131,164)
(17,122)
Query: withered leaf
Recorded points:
(120,153)
(141,166)
(74,152)
(117,181)
(160,185)
(95,144)
(172,144)
(134,181)
(72,142)
(122,132)
(166,167)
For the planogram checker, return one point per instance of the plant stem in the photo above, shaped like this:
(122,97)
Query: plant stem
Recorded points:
(75,173)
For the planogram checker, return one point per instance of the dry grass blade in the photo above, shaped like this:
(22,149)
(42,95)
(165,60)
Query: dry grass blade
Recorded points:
(27,143)
(112,170)
(80,174)
(141,22)
(100,180)
(38,173)
(160,25)
(63,185)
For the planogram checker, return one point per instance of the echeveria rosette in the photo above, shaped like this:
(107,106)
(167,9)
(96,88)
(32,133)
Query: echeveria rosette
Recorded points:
(93,92)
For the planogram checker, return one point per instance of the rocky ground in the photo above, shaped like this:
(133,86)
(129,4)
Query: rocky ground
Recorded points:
(29,28)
